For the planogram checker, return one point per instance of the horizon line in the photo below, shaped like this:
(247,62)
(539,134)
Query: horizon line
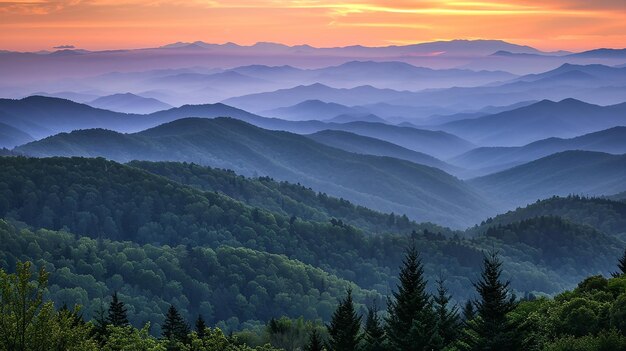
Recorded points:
(70,47)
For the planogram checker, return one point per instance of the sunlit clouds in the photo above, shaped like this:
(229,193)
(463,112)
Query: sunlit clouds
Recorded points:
(103,24)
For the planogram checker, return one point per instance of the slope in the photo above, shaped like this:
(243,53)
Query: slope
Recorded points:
(567,118)
(602,214)
(611,140)
(11,137)
(284,198)
(215,282)
(371,146)
(129,103)
(571,172)
(392,185)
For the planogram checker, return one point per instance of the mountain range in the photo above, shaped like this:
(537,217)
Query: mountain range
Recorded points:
(371,146)
(129,103)
(567,173)
(392,185)
(492,159)
(565,119)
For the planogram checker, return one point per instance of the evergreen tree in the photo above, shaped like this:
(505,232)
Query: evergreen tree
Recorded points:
(448,322)
(345,325)
(491,330)
(117,313)
(315,342)
(200,327)
(621,264)
(100,324)
(174,329)
(468,311)
(374,333)
(410,320)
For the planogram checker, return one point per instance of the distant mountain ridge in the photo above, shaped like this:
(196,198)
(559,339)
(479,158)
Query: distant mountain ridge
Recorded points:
(611,140)
(129,103)
(370,146)
(545,119)
(423,193)
(11,136)
(583,173)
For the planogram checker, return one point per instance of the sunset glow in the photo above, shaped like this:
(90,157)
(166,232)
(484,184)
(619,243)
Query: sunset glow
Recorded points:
(107,24)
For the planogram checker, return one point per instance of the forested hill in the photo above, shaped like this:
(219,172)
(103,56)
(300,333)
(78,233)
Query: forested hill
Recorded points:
(106,200)
(285,198)
(392,185)
(227,285)
(602,214)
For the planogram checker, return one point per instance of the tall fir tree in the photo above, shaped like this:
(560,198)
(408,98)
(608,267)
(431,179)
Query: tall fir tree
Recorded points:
(491,329)
(468,311)
(117,312)
(621,265)
(374,333)
(174,329)
(201,327)
(411,320)
(315,342)
(345,326)
(448,321)
(100,324)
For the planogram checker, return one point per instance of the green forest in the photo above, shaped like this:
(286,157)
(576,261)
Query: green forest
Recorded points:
(590,317)
(101,255)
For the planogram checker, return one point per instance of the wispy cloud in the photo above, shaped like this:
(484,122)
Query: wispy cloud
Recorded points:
(550,23)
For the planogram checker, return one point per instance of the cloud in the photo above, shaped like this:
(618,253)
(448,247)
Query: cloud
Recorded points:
(126,23)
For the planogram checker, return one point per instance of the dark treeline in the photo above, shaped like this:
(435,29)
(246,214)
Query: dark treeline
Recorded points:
(592,317)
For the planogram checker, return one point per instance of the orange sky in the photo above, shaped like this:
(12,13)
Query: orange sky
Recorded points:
(107,24)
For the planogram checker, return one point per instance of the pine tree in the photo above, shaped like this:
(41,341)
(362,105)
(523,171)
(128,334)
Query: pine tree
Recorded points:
(468,311)
(374,333)
(345,325)
(621,264)
(200,327)
(117,313)
(100,324)
(448,322)
(315,342)
(410,321)
(491,329)
(174,328)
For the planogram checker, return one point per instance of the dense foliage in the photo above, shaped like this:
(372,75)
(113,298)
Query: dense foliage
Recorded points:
(605,215)
(592,317)
(392,185)
(107,200)
(234,286)
(283,197)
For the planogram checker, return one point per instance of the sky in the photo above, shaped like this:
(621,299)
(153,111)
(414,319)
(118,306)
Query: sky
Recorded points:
(576,25)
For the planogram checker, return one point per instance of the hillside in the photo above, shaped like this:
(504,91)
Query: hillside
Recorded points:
(357,117)
(44,116)
(149,278)
(499,158)
(436,143)
(423,193)
(542,238)
(105,200)
(311,110)
(11,137)
(602,214)
(129,103)
(284,198)
(565,119)
(572,172)
(371,146)
(366,94)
